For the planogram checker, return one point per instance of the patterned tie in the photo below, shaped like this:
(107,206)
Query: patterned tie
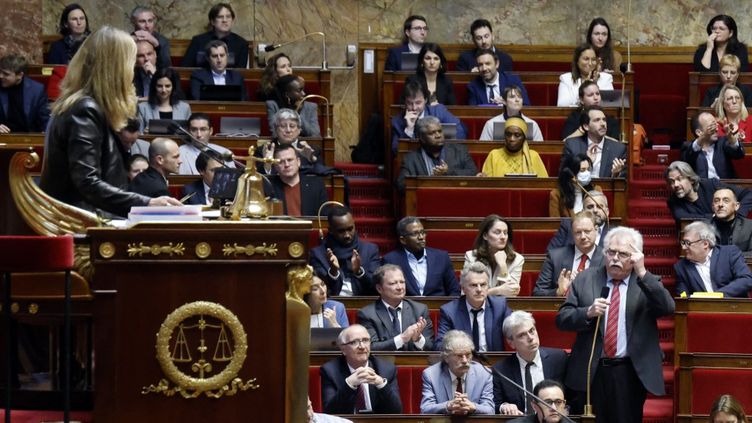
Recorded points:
(583,262)
(612,326)
(593,152)
(459,384)
(529,387)
(360,398)
(476,329)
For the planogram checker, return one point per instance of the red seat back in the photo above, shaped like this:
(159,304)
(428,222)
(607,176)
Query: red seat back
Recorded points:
(709,384)
(703,334)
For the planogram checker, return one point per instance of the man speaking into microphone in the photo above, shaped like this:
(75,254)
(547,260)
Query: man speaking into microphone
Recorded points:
(627,357)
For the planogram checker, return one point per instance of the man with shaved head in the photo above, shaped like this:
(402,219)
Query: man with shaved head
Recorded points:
(164,159)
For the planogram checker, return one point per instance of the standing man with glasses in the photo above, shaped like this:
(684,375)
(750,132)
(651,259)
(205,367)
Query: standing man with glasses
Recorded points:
(199,125)
(416,32)
(552,393)
(357,383)
(627,360)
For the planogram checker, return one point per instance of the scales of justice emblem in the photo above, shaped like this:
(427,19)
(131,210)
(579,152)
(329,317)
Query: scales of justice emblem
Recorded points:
(205,355)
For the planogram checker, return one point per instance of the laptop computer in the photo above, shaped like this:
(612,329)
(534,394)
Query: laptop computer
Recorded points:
(449,130)
(612,98)
(220,92)
(409,61)
(230,126)
(498,131)
(324,339)
(162,126)
(225,183)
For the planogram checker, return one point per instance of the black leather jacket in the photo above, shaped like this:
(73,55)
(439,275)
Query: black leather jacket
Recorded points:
(84,162)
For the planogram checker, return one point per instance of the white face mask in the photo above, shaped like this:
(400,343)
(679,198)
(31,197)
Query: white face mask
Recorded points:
(584,177)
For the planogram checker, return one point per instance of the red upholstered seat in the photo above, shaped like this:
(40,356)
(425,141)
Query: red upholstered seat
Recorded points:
(550,335)
(708,384)
(451,202)
(703,334)
(459,241)
(36,253)
(314,388)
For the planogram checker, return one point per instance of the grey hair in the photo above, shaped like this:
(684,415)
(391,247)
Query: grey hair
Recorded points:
(620,231)
(704,230)
(284,114)
(404,223)
(454,340)
(141,9)
(421,126)
(685,170)
(595,194)
(380,272)
(474,267)
(515,320)
(342,335)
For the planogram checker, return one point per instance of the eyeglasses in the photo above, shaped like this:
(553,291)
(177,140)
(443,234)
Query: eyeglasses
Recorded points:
(687,243)
(358,342)
(622,255)
(558,403)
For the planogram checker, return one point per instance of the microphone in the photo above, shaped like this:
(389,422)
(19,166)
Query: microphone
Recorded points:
(589,407)
(221,157)
(483,359)
(276,46)
(328,116)
(318,215)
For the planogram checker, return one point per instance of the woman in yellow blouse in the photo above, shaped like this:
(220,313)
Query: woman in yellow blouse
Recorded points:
(515,157)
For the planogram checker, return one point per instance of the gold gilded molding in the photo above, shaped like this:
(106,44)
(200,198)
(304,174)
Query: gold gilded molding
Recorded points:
(203,250)
(155,249)
(249,249)
(107,250)
(33,308)
(14,307)
(295,249)
(299,279)
(173,357)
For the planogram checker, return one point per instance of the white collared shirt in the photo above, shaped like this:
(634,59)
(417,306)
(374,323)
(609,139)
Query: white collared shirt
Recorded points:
(495,84)
(454,378)
(419,268)
(596,169)
(398,343)
(704,270)
(483,347)
(578,255)
(621,339)
(708,153)
(536,372)
(219,78)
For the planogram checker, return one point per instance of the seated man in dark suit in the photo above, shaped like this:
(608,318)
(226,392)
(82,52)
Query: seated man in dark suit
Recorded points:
(434,157)
(343,261)
(146,66)
(479,315)
(488,87)
(564,263)
(732,228)
(394,322)
(710,155)
(206,167)
(428,271)
(355,382)
(23,102)
(300,195)
(552,392)
(708,267)
(530,365)
(692,197)
(609,156)
(164,159)
(217,73)
(596,203)
(403,126)
(483,37)
(416,31)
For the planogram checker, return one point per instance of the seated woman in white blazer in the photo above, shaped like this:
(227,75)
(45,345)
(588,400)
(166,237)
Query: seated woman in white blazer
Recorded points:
(165,99)
(585,66)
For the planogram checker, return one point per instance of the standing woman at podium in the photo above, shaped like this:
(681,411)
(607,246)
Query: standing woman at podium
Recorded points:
(84,161)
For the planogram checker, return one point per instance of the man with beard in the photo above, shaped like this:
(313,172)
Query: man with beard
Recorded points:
(345,262)
(552,393)
(608,155)
(483,38)
(434,157)
(515,157)
(732,228)
(628,357)
(710,155)
(487,88)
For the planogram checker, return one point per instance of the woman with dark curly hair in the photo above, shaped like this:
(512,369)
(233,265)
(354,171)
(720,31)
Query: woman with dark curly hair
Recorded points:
(277,66)
(722,39)
(431,73)
(493,247)
(566,199)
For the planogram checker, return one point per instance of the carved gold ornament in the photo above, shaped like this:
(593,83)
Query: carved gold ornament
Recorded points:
(203,250)
(198,318)
(249,249)
(295,249)
(107,250)
(155,249)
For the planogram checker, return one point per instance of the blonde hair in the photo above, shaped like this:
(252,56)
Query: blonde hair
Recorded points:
(720,112)
(103,70)
(730,60)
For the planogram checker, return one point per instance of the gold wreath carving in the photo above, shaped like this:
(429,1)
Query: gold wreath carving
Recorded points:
(155,249)
(224,383)
(203,250)
(249,249)
(295,249)
(107,250)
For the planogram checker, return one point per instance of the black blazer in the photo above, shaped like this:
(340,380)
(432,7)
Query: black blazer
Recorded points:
(150,183)
(376,318)
(198,187)
(370,261)
(554,367)
(563,235)
(312,193)
(237,47)
(612,149)
(338,398)
(741,233)
(201,77)
(723,153)
(702,208)
(456,156)
(444,88)
(440,278)
(467,62)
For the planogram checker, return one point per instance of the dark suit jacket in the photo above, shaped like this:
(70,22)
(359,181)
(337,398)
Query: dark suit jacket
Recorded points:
(455,315)
(439,111)
(440,278)
(612,149)
(702,208)
(467,61)
(573,122)
(444,88)
(554,367)
(312,194)
(199,199)
(563,236)
(36,107)
(394,57)
(375,317)
(369,256)
(728,273)
(741,233)
(456,156)
(723,153)
(477,92)
(713,92)
(237,50)
(557,260)
(338,398)
(531,418)
(150,183)
(201,77)
(647,300)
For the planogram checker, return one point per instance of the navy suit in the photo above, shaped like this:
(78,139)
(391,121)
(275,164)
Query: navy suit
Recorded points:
(702,208)
(439,111)
(201,77)
(369,258)
(563,235)
(440,277)
(467,60)
(198,187)
(338,398)
(376,319)
(557,260)
(554,367)
(728,273)
(455,315)
(612,149)
(394,57)
(36,106)
(723,153)
(477,91)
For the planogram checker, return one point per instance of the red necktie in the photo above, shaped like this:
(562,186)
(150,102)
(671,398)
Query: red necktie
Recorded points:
(612,326)
(583,261)
(459,385)
(360,398)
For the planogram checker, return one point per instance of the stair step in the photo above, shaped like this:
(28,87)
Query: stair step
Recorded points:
(658,410)
(357,169)
(652,157)
(649,173)
(369,188)
(376,227)
(648,190)
(367,207)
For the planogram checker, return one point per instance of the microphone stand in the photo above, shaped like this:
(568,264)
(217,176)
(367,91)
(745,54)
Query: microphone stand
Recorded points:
(483,359)
(206,148)
(328,115)
(318,215)
(588,411)
(324,65)
(587,194)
